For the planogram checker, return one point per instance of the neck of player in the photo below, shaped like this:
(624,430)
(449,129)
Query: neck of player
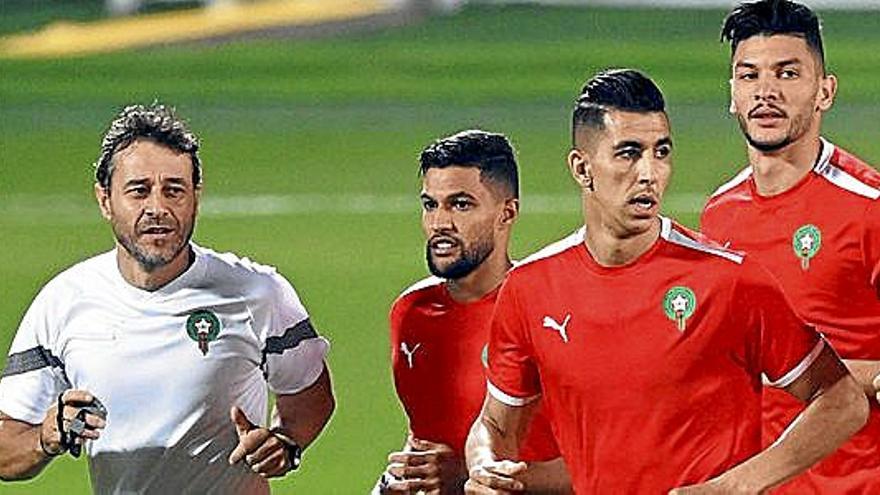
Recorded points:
(483,280)
(778,171)
(613,245)
(135,274)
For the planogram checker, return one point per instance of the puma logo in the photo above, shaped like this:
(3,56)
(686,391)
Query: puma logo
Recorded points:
(553,325)
(409,353)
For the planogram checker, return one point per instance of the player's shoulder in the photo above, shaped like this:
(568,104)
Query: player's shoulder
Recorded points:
(426,287)
(231,262)
(549,256)
(847,173)
(695,245)
(86,274)
(234,271)
(735,190)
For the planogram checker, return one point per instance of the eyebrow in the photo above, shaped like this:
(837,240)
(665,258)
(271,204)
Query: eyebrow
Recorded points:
(136,182)
(462,194)
(146,180)
(628,144)
(455,195)
(781,63)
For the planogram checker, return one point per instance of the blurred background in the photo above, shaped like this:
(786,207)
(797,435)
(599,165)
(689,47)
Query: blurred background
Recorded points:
(312,115)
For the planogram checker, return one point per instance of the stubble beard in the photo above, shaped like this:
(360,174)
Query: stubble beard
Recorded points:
(150,262)
(796,130)
(469,260)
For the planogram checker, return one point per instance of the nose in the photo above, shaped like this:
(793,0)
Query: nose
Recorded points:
(766,89)
(647,170)
(154,205)
(440,219)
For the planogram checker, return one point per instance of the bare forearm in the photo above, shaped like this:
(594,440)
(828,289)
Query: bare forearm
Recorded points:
(497,432)
(864,371)
(21,457)
(479,445)
(828,421)
(303,416)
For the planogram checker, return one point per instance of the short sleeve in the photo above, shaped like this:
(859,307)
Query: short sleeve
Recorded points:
(293,352)
(513,375)
(787,345)
(871,243)
(33,375)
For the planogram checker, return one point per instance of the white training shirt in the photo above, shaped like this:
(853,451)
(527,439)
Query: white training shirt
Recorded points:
(168,428)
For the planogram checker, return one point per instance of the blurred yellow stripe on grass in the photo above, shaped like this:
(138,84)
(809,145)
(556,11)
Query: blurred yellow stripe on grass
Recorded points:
(224,18)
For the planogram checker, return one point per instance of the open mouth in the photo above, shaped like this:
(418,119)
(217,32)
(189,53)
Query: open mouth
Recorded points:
(442,245)
(644,202)
(157,230)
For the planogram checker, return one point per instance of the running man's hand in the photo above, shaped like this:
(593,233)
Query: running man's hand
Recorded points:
(425,467)
(497,477)
(72,401)
(264,452)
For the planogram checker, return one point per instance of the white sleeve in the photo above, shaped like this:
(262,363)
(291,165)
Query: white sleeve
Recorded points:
(33,375)
(293,352)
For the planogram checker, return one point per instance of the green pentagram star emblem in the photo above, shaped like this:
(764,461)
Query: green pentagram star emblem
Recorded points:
(679,304)
(203,326)
(806,242)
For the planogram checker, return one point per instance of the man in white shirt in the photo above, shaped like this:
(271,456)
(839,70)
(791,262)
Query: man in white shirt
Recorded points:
(157,356)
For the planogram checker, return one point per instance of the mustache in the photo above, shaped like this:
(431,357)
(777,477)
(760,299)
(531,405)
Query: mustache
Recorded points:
(152,224)
(766,108)
(434,239)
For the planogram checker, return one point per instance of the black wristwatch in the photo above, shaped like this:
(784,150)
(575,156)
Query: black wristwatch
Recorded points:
(294,451)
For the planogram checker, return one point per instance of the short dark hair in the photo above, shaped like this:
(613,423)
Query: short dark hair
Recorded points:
(491,153)
(614,89)
(770,17)
(155,122)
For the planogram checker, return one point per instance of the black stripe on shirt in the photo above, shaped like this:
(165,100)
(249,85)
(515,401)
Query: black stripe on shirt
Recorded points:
(289,340)
(30,360)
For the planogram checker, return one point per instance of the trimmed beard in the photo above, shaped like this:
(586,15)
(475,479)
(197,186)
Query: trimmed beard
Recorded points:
(797,130)
(462,267)
(152,262)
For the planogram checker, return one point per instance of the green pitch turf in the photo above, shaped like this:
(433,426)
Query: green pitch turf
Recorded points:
(348,116)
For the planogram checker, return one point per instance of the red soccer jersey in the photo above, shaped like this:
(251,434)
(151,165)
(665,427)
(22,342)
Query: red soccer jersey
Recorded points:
(821,239)
(652,370)
(437,355)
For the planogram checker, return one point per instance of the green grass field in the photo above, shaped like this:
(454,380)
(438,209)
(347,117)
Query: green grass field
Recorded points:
(346,117)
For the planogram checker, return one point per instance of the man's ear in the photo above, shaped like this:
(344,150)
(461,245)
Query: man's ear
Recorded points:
(827,92)
(579,166)
(103,197)
(510,212)
(198,193)
(732,108)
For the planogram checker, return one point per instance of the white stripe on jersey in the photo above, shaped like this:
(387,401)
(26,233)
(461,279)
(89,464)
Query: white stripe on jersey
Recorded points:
(741,177)
(796,372)
(671,235)
(839,177)
(509,399)
(422,284)
(573,239)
